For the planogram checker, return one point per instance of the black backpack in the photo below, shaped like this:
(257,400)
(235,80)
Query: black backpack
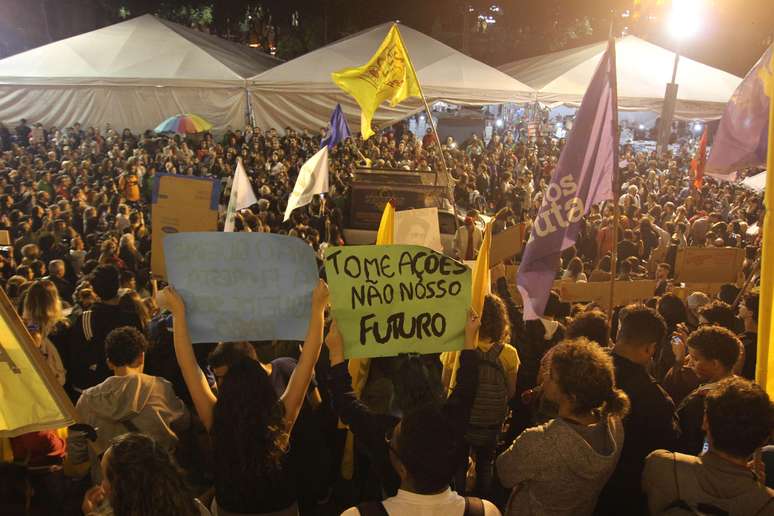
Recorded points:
(490,406)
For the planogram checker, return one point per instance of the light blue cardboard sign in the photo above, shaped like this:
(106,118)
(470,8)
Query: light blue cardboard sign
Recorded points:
(242,286)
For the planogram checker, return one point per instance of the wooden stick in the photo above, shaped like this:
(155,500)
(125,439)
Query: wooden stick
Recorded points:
(432,125)
(616,181)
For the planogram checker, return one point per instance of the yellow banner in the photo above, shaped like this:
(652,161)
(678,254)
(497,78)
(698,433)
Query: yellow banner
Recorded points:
(31,400)
(389,75)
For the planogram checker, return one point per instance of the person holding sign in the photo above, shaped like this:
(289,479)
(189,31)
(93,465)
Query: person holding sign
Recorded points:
(249,424)
(415,457)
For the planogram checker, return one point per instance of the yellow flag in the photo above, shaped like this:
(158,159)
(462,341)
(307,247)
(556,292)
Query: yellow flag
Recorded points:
(764,374)
(30,397)
(482,283)
(385,235)
(480,287)
(389,75)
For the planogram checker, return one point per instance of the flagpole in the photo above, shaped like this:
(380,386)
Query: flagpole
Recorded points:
(435,130)
(616,177)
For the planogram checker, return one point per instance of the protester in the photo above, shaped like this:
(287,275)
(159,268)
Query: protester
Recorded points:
(651,423)
(560,467)
(713,351)
(140,478)
(129,401)
(248,422)
(738,419)
(85,349)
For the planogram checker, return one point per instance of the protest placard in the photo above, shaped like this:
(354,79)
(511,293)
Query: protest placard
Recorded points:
(5,237)
(180,204)
(31,399)
(393,299)
(506,244)
(242,286)
(418,227)
(709,264)
(598,292)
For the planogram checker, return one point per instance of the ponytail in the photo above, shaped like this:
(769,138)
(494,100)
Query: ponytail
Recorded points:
(617,404)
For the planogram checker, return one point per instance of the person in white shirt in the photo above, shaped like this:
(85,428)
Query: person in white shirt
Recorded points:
(421,452)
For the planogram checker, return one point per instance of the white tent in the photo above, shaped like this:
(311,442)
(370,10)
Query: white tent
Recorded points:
(644,69)
(301,94)
(132,74)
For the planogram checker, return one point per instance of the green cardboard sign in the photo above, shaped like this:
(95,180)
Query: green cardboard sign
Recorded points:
(392,299)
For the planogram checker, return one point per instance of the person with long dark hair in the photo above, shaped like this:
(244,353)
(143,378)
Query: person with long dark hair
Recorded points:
(249,424)
(140,478)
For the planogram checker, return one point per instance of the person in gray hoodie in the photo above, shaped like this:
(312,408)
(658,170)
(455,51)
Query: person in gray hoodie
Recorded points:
(129,401)
(560,467)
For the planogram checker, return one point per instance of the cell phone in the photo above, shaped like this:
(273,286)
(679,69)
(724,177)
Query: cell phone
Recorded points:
(676,341)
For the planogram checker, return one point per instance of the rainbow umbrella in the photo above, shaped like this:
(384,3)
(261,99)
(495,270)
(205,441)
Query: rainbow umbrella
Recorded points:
(187,123)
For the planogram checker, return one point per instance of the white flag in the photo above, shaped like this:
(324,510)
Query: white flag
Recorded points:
(242,196)
(312,179)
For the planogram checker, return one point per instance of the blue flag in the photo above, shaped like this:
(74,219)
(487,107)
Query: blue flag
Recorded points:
(338,130)
(583,177)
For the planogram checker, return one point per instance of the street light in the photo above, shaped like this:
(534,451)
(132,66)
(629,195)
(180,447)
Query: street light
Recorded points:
(684,22)
(685,19)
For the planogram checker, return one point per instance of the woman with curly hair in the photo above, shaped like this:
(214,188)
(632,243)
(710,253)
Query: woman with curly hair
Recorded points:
(140,478)
(560,467)
(249,424)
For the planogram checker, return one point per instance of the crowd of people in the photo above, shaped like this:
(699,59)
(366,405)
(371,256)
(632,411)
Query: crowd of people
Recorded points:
(651,410)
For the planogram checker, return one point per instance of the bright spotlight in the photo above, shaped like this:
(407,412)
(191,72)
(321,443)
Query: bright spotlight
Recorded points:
(698,127)
(685,18)
(499,122)
(422,118)
(642,127)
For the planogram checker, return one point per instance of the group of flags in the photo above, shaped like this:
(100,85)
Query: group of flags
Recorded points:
(584,176)
(745,139)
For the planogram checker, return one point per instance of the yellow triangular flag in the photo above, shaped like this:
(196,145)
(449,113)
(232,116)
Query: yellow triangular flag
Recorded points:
(388,75)
(385,235)
(481,285)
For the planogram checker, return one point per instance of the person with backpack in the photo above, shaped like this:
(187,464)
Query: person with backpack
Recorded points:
(739,418)
(498,365)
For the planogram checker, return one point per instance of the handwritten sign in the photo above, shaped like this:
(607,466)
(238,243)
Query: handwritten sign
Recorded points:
(242,286)
(418,227)
(709,264)
(506,244)
(180,204)
(626,292)
(393,299)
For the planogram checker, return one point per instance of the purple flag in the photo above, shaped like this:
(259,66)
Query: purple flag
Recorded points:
(742,137)
(583,177)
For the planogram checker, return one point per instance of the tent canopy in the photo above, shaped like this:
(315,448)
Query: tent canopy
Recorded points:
(132,74)
(300,92)
(644,69)
(142,51)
